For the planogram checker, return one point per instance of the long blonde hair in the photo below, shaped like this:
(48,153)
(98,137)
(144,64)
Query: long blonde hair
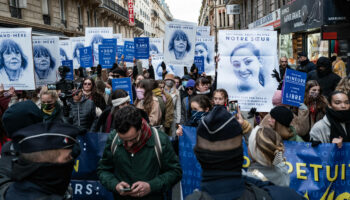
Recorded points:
(343,85)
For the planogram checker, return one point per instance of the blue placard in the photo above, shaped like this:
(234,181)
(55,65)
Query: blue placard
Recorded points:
(107,55)
(129,51)
(120,52)
(70,74)
(293,88)
(141,47)
(199,62)
(109,41)
(86,59)
(123,83)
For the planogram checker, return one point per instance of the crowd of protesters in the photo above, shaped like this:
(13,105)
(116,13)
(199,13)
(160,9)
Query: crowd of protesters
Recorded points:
(39,129)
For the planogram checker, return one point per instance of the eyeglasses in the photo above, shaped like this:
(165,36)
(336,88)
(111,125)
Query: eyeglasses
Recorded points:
(189,88)
(87,83)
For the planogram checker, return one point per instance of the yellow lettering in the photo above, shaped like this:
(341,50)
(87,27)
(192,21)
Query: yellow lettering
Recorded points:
(316,168)
(247,164)
(306,196)
(76,166)
(343,171)
(290,167)
(343,196)
(326,193)
(300,171)
(331,196)
(328,169)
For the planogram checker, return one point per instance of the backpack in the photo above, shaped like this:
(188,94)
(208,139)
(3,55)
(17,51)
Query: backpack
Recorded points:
(157,146)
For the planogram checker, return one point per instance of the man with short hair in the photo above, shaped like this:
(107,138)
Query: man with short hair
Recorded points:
(305,64)
(283,66)
(138,162)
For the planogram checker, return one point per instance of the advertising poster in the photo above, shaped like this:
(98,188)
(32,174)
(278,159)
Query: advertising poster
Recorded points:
(129,51)
(16,55)
(46,56)
(123,83)
(179,42)
(141,47)
(76,43)
(65,50)
(94,37)
(247,59)
(205,48)
(86,59)
(293,88)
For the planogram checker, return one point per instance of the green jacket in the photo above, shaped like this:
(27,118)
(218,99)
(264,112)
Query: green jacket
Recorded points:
(143,166)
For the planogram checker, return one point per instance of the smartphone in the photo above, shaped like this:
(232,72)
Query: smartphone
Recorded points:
(233,105)
(126,189)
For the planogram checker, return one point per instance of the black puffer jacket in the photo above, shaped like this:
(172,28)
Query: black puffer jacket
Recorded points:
(82,114)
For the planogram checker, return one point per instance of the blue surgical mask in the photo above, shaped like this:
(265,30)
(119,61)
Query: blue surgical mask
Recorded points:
(196,116)
(108,91)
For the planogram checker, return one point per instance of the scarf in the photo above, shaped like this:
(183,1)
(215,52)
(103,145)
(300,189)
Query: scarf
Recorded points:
(196,116)
(145,135)
(120,101)
(52,177)
(335,118)
(205,92)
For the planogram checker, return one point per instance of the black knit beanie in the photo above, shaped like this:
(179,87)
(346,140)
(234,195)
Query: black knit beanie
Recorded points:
(282,115)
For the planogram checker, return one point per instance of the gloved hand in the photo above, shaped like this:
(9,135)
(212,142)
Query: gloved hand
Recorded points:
(276,75)
(252,113)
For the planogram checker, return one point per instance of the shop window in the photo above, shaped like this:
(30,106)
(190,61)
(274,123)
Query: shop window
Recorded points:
(15,10)
(316,47)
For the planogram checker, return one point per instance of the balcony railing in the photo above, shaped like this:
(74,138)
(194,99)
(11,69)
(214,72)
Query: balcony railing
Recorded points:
(121,11)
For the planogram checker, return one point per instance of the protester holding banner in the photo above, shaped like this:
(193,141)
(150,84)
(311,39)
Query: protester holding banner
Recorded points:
(89,92)
(324,76)
(266,150)
(129,167)
(335,125)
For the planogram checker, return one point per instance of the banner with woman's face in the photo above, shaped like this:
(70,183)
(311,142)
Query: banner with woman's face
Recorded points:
(76,43)
(65,50)
(179,43)
(94,37)
(247,59)
(205,47)
(46,56)
(16,58)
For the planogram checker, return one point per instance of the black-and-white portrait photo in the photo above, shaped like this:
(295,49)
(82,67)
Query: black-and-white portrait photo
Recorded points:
(76,43)
(205,47)
(16,58)
(155,46)
(179,45)
(63,55)
(94,37)
(44,62)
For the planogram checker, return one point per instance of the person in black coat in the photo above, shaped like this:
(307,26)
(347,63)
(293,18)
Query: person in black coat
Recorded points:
(305,64)
(324,76)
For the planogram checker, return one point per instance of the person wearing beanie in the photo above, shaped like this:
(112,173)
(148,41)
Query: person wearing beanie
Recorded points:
(304,63)
(280,120)
(185,105)
(219,151)
(327,79)
(266,148)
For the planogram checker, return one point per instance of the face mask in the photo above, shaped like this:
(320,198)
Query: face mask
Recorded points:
(169,83)
(47,106)
(108,91)
(314,95)
(140,93)
(184,83)
(196,116)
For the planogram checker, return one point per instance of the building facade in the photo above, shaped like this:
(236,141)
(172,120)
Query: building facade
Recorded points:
(143,13)
(68,18)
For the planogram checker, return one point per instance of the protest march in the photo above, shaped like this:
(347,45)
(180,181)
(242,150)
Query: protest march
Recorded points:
(102,116)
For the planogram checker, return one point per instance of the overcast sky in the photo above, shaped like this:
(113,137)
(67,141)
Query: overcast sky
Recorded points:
(187,10)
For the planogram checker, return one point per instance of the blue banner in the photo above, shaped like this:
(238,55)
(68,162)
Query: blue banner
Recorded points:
(315,172)
(141,47)
(86,59)
(199,62)
(123,83)
(293,88)
(89,190)
(120,52)
(70,74)
(109,41)
(107,55)
(129,51)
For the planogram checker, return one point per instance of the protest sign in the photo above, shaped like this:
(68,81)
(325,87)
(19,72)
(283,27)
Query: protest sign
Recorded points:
(205,47)
(90,190)
(203,30)
(123,83)
(199,62)
(247,59)
(19,41)
(155,46)
(129,51)
(119,38)
(141,47)
(69,64)
(107,52)
(46,58)
(179,43)
(293,88)
(65,50)
(120,51)
(94,37)
(76,43)
(86,57)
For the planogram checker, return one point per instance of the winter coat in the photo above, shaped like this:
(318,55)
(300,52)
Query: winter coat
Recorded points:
(185,110)
(82,114)
(321,131)
(327,83)
(155,117)
(142,166)
(308,67)
(165,99)
(56,116)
